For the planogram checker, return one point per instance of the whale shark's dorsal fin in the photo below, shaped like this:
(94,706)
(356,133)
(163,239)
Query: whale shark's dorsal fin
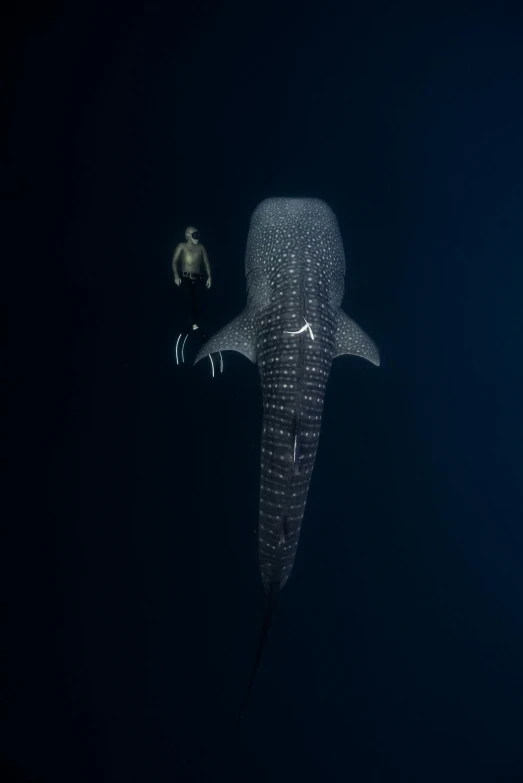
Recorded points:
(351,339)
(239,335)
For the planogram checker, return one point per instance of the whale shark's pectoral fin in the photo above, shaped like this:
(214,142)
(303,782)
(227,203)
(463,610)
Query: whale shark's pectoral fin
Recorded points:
(238,335)
(351,339)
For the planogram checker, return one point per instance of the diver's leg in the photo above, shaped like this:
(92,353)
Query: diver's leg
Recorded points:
(188,306)
(194,303)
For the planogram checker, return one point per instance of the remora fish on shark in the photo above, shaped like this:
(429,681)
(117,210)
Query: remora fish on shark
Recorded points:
(293,328)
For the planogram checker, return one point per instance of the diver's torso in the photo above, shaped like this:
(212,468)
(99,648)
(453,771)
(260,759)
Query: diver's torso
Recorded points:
(192,257)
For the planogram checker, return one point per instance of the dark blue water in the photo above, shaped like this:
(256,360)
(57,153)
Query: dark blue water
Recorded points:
(133,591)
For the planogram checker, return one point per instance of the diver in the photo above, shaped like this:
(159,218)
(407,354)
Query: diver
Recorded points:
(190,255)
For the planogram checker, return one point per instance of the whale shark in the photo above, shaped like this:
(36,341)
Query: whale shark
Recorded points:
(293,328)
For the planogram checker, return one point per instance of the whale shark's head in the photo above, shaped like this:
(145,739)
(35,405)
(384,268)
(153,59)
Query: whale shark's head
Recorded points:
(291,234)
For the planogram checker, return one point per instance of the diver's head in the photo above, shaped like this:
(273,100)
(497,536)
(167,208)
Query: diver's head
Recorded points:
(191,235)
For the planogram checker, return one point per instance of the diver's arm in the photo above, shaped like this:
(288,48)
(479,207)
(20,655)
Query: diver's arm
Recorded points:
(176,261)
(207,267)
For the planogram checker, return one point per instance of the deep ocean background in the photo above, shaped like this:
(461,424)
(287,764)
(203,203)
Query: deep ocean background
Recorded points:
(132,589)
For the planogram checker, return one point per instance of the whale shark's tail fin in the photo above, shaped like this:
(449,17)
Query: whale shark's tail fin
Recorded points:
(270,605)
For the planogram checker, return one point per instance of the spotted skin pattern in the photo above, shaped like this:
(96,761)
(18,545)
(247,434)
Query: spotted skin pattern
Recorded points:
(293,328)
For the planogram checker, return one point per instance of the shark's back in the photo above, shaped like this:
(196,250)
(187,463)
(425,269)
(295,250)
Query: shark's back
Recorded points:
(295,269)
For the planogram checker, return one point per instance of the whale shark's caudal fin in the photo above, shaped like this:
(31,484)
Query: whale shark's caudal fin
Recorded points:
(351,339)
(270,605)
(239,335)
